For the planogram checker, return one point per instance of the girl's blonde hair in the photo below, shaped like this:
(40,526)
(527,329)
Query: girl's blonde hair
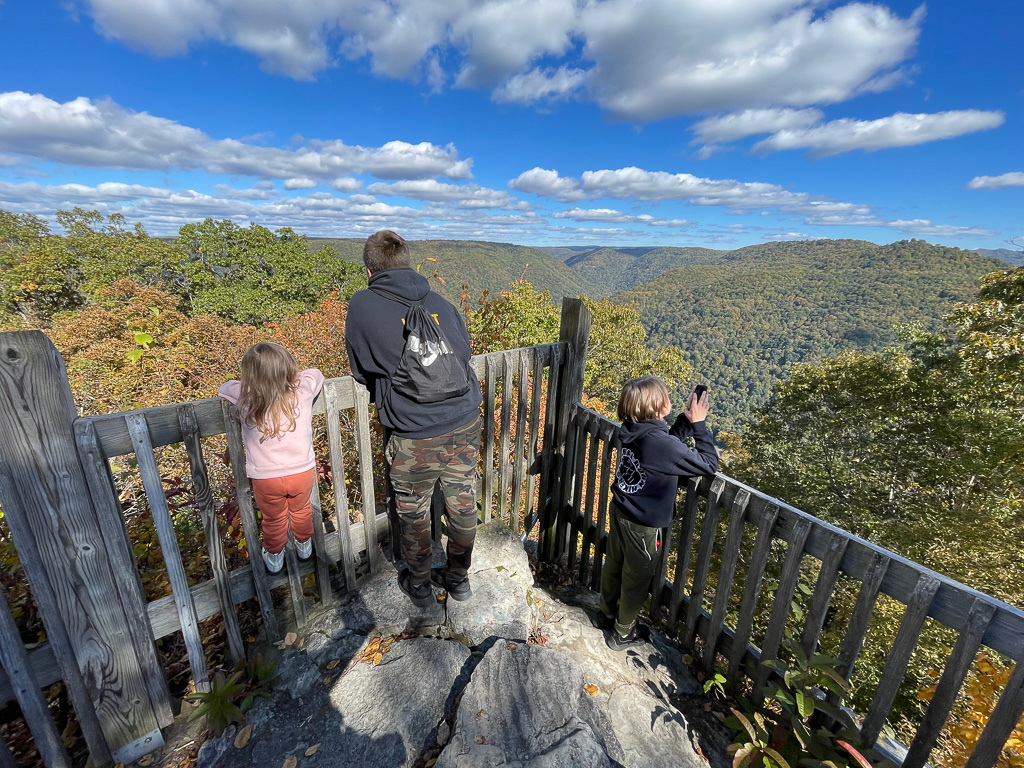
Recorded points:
(270,377)
(642,398)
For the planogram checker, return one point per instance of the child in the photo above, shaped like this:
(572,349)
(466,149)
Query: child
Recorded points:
(275,404)
(652,458)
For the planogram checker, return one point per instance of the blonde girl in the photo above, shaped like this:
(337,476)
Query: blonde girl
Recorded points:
(275,404)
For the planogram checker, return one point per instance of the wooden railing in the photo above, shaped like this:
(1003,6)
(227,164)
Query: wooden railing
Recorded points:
(703,589)
(89,577)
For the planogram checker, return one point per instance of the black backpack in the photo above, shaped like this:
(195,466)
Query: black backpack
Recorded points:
(429,370)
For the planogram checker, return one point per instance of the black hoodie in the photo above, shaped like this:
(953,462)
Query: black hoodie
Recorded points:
(651,461)
(375,339)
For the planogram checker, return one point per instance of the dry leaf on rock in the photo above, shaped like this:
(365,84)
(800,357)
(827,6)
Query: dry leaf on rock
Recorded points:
(377,658)
(481,740)
(290,762)
(310,751)
(591,689)
(333,663)
(243,735)
(290,638)
(146,760)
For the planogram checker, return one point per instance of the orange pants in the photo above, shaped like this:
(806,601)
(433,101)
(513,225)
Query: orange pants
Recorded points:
(284,502)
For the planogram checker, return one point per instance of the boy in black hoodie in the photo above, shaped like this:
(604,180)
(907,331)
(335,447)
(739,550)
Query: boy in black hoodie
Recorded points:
(426,442)
(652,458)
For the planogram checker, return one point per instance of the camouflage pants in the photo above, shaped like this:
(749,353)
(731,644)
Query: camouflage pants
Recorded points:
(416,466)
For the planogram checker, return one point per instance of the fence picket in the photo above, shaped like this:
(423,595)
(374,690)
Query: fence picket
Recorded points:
(730,556)
(576,454)
(704,551)
(504,465)
(215,550)
(169,549)
(536,389)
(684,547)
(520,459)
(364,449)
(332,405)
(823,592)
(611,433)
(858,626)
(587,529)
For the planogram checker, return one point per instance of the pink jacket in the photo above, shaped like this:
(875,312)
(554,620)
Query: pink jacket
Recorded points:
(291,453)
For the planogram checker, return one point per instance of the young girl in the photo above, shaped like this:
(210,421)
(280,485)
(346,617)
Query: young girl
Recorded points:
(652,458)
(275,403)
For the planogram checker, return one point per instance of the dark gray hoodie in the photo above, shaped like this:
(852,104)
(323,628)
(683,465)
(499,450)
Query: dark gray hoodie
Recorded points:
(651,461)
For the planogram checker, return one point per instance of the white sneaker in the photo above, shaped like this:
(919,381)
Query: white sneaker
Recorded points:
(304,549)
(273,562)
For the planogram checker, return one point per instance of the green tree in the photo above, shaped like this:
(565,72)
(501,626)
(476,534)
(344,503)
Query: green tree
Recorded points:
(253,275)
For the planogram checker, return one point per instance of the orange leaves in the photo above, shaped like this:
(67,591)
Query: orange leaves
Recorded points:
(376,650)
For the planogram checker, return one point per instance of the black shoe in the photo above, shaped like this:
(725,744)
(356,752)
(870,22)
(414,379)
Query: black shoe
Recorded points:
(460,591)
(421,595)
(602,621)
(638,633)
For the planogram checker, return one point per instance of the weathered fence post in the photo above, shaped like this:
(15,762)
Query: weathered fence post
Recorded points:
(88,613)
(574,329)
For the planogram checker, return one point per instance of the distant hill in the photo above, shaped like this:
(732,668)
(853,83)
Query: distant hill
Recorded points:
(747,319)
(480,266)
(1006,254)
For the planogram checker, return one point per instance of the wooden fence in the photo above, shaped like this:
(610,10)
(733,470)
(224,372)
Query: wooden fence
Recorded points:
(718,519)
(61,503)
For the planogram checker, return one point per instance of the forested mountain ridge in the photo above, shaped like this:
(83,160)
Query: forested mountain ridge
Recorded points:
(1006,254)
(745,321)
(480,266)
(611,270)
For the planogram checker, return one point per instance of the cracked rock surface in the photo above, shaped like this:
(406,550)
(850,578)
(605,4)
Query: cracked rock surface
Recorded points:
(375,681)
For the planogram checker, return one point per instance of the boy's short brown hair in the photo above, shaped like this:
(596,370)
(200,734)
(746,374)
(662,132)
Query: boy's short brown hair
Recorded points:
(385,250)
(642,398)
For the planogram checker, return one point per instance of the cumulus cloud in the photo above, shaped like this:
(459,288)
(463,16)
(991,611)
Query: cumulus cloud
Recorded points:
(899,130)
(302,182)
(639,60)
(102,134)
(750,122)
(610,215)
(547,183)
(465,195)
(1011,179)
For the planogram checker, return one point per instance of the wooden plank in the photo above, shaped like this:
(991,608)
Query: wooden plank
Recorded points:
(490,387)
(169,549)
(953,676)
(122,560)
(47,505)
(853,640)
(751,592)
(536,392)
(952,602)
(6,758)
(730,557)
(364,449)
(1004,719)
(323,576)
(332,403)
(550,505)
(214,546)
(660,573)
(683,548)
(704,551)
(588,500)
(504,465)
(899,658)
(611,433)
(291,562)
(781,603)
(576,457)
(822,595)
(243,493)
(522,405)
(14,660)
(164,428)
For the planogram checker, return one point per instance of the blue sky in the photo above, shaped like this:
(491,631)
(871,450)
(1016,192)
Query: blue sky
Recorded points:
(716,123)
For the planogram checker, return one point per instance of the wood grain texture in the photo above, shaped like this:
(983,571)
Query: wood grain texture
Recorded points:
(519,461)
(550,507)
(214,548)
(169,549)
(536,391)
(505,507)
(684,546)
(1004,719)
(589,500)
(15,663)
(611,435)
(364,447)
(122,563)
(260,577)
(490,385)
(705,550)
(332,402)
(47,505)
(575,456)
(856,630)
(822,595)
(730,557)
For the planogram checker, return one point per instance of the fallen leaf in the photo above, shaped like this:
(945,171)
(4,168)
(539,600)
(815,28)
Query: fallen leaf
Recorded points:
(481,713)
(377,658)
(591,689)
(333,663)
(312,750)
(146,760)
(242,737)
(430,762)
(290,762)
(373,646)
(290,638)
(301,643)
(481,739)
(510,646)
(707,707)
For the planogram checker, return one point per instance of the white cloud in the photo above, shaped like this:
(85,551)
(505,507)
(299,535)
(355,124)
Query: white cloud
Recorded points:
(899,130)
(546,183)
(1011,179)
(256,192)
(102,134)
(302,182)
(346,184)
(465,195)
(668,57)
(750,122)
(618,217)
(9,161)
(540,84)
(639,60)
